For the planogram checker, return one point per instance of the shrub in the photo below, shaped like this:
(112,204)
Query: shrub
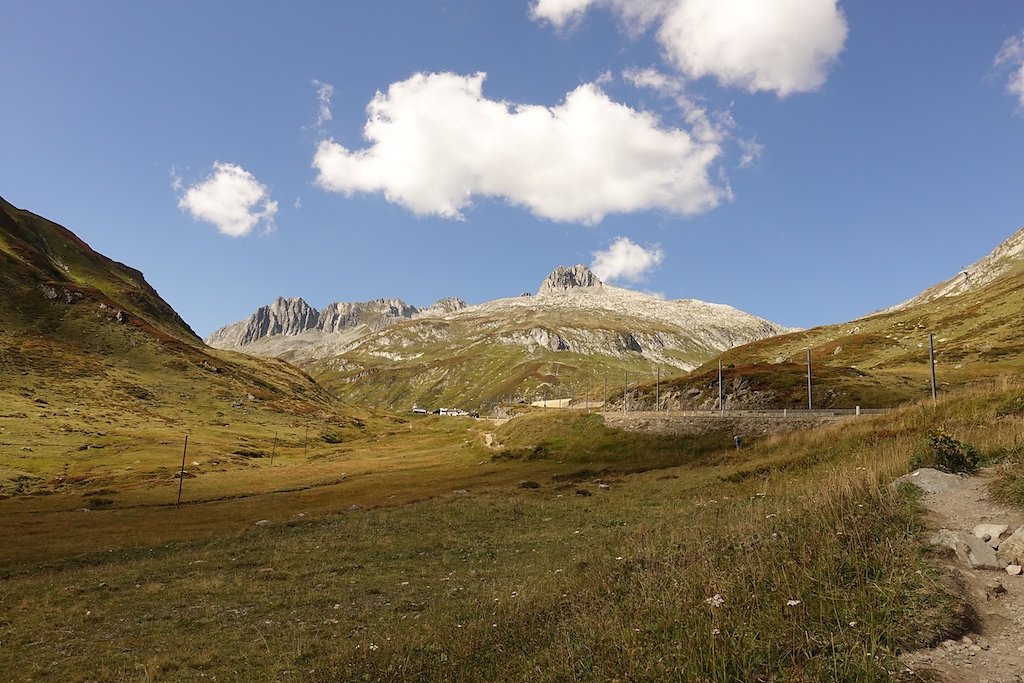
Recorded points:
(943,452)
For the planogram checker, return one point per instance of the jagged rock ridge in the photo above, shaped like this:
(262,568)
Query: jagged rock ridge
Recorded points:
(294,317)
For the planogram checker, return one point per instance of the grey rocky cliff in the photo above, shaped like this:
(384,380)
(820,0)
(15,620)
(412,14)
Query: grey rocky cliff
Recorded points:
(443,306)
(283,317)
(564,278)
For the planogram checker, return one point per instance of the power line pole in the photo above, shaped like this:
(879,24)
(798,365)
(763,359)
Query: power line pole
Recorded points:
(181,474)
(810,403)
(721,390)
(931,365)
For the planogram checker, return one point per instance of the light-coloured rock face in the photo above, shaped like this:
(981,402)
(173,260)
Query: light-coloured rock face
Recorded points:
(1004,258)
(573,311)
(563,278)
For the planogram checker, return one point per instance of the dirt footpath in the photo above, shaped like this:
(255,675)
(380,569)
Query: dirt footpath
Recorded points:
(995,654)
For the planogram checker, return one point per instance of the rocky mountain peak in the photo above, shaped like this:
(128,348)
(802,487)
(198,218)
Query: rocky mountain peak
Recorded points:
(565,277)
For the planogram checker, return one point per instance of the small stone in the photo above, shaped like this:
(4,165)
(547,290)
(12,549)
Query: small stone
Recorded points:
(994,588)
(1014,569)
(263,522)
(603,487)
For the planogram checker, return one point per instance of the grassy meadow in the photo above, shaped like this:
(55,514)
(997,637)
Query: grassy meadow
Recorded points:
(413,550)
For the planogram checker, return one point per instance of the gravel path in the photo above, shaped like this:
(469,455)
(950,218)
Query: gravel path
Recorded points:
(996,653)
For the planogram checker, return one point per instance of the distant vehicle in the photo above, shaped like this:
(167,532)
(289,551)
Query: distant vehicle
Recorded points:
(474,414)
(419,411)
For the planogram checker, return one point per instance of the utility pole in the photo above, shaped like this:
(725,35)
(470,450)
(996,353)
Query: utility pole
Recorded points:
(721,390)
(931,365)
(181,474)
(810,403)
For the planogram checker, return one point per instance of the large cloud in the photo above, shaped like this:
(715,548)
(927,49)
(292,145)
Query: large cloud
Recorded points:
(1012,55)
(436,142)
(625,260)
(780,46)
(229,198)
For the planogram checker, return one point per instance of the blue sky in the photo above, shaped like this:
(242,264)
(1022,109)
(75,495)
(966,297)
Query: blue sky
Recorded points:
(804,160)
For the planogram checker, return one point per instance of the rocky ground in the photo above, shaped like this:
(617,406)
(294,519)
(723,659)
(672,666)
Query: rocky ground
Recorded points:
(962,515)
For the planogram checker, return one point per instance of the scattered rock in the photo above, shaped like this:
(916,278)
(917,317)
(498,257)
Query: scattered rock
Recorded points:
(264,522)
(1014,569)
(354,506)
(603,487)
(460,492)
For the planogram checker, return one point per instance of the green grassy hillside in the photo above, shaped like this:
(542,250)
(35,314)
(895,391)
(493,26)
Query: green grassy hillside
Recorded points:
(92,358)
(877,361)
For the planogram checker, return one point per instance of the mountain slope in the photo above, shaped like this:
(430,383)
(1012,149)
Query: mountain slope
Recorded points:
(88,348)
(882,359)
(573,334)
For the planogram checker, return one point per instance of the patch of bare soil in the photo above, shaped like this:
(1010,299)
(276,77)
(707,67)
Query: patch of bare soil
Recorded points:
(994,653)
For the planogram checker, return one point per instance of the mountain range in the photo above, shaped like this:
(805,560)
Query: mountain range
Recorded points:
(573,333)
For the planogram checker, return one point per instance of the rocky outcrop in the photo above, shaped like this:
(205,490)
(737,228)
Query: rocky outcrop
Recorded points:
(1004,258)
(563,278)
(293,317)
(443,307)
(283,317)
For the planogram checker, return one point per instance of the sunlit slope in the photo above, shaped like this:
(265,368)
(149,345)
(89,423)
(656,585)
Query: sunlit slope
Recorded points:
(90,353)
(880,360)
(559,344)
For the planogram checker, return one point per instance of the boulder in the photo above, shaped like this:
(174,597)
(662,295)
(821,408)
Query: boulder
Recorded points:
(990,533)
(971,550)
(931,480)
(1011,550)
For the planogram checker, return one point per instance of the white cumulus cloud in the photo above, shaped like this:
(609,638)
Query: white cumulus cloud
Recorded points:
(1012,54)
(229,198)
(435,143)
(626,260)
(324,93)
(780,46)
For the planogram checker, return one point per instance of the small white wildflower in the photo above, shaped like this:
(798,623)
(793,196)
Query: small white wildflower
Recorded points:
(715,601)
(619,557)
(715,632)
(853,623)
(770,516)
(373,647)
(792,603)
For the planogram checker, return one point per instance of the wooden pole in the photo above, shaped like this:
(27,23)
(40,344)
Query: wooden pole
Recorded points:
(931,365)
(181,474)
(657,390)
(721,390)
(810,401)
